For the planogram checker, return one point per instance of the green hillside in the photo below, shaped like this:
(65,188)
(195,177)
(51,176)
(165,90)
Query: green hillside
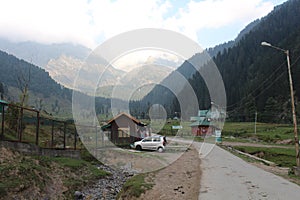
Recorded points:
(43,92)
(255,77)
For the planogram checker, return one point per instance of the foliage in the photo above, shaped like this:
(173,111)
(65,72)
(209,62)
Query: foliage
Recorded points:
(265,132)
(1,90)
(30,173)
(38,87)
(255,77)
(12,117)
(136,186)
(283,157)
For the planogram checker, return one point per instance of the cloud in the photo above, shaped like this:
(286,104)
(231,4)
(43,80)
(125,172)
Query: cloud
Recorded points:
(214,14)
(46,21)
(84,22)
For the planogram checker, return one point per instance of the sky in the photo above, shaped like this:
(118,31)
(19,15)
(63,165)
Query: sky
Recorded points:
(90,22)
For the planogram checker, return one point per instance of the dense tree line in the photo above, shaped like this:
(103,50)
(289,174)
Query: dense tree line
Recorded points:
(255,77)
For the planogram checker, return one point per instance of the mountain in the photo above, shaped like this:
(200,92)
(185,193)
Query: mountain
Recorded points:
(221,47)
(136,83)
(44,93)
(255,77)
(63,62)
(65,70)
(40,54)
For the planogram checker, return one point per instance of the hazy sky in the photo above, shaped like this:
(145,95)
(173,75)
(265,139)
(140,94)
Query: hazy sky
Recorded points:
(90,22)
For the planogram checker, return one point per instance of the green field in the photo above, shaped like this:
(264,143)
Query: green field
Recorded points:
(269,134)
(265,133)
(282,157)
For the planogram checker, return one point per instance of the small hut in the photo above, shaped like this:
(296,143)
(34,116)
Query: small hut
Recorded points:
(202,124)
(124,129)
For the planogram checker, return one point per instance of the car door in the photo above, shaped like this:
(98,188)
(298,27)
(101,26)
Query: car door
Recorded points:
(155,143)
(146,143)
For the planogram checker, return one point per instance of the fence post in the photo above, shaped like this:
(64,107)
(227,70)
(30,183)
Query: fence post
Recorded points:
(65,129)
(52,133)
(102,137)
(2,131)
(75,138)
(21,125)
(96,137)
(37,128)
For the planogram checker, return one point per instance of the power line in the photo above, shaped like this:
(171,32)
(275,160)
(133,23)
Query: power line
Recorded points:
(263,83)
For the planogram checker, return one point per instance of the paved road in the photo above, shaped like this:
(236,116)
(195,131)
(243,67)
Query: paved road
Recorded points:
(225,176)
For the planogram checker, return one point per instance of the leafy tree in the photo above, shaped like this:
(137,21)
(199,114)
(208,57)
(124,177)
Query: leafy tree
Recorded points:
(1,90)
(271,110)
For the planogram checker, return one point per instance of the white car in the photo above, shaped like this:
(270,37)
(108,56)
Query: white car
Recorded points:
(151,143)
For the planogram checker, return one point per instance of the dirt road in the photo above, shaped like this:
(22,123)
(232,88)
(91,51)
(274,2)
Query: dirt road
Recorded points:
(178,181)
(225,176)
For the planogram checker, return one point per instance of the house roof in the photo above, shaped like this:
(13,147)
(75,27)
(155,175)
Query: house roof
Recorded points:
(3,102)
(127,115)
(203,113)
(108,124)
(201,123)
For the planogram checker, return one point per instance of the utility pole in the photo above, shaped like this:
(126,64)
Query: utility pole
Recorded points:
(293,110)
(296,139)
(255,120)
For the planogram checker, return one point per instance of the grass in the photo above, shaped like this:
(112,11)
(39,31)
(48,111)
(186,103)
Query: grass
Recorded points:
(26,172)
(69,162)
(135,186)
(282,157)
(168,131)
(21,175)
(269,134)
(265,133)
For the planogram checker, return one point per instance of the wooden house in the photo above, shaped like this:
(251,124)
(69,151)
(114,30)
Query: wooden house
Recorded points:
(125,129)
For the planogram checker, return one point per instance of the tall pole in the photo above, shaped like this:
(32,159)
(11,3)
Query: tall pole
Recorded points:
(255,123)
(293,110)
(3,118)
(292,99)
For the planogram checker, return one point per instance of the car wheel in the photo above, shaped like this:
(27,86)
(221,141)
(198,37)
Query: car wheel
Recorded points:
(138,147)
(160,149)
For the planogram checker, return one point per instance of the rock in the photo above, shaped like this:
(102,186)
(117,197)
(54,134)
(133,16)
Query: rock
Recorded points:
(78,195)
(110,186)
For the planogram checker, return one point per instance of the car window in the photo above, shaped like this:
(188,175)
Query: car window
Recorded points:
(156,139)
(147,140)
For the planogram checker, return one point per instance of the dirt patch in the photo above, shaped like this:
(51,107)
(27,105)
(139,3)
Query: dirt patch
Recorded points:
(180,180)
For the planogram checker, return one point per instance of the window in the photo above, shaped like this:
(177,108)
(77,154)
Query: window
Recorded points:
(147,140)
(123,132)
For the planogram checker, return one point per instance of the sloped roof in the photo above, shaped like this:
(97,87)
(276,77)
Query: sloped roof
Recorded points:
(203,113)
(127,115)
(3,102)
(106,126)
(201,123)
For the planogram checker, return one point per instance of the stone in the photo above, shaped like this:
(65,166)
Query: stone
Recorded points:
(108,187)
(78,195)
